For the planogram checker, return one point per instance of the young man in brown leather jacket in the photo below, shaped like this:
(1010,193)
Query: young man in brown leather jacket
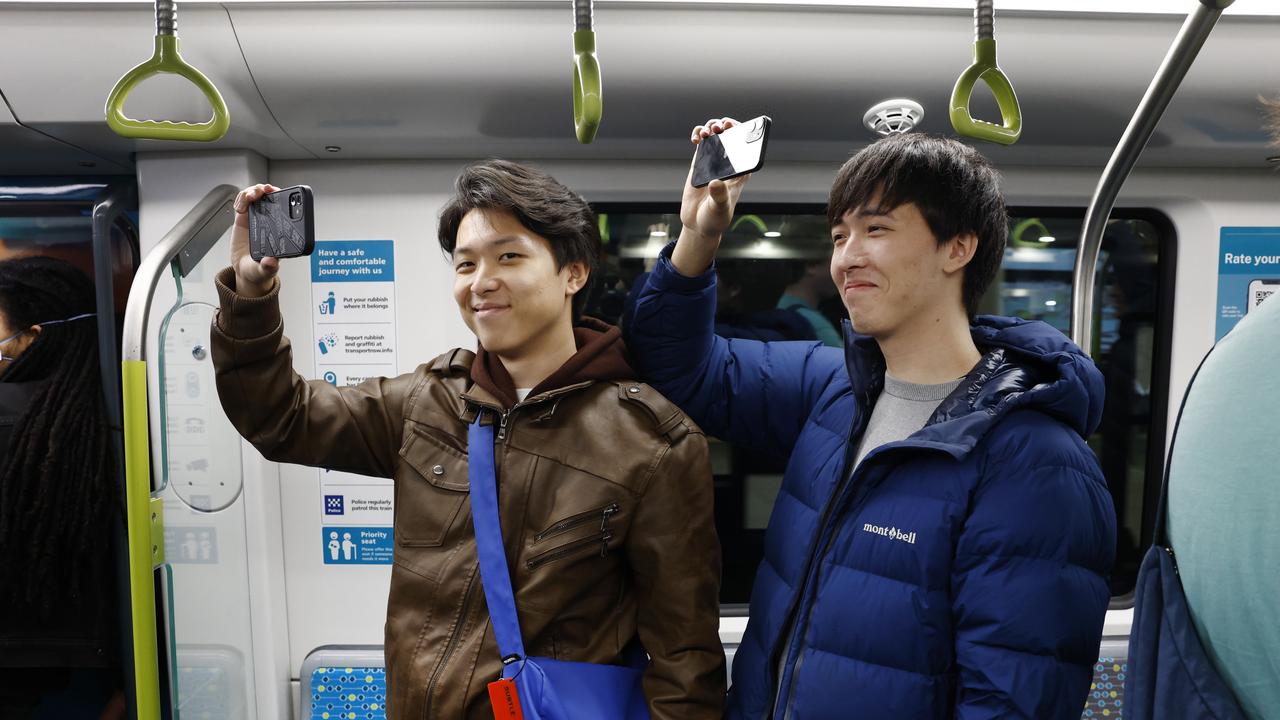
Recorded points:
(604,487)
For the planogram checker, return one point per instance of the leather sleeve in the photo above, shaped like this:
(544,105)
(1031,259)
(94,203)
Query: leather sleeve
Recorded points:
(288,419)
(675,558)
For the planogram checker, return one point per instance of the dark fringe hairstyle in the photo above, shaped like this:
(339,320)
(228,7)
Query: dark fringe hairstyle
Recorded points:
(954,187)
(540,202)
(58,491)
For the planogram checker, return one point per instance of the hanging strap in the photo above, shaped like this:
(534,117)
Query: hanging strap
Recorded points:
(494,574)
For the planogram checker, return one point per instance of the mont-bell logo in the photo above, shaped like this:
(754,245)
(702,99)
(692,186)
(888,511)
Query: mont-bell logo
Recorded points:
(892,533)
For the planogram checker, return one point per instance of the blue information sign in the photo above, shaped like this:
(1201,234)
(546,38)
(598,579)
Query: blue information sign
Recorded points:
(1248,272)
(355,545)
(353,261)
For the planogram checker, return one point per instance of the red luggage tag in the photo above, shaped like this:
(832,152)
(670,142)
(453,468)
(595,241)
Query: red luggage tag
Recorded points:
(506,703)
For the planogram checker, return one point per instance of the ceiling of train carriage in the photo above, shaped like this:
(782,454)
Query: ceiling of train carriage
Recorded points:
(464,79)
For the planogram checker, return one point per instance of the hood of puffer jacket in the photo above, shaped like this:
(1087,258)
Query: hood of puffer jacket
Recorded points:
(1025,364)
(601,355)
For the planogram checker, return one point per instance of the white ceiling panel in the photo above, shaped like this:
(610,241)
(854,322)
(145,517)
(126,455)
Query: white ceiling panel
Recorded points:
(460,80)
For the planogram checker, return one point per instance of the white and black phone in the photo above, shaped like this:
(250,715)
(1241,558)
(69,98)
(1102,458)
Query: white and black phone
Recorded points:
(282,224)
(1260,290)
(736,151)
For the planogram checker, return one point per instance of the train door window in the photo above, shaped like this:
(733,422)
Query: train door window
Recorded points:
(774,285)
(65,230)
(1133,324)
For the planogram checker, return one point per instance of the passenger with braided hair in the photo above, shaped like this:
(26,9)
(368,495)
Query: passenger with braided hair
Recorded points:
(59,496)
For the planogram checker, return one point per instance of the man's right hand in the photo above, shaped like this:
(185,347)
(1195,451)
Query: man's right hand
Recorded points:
(253,278)
(705,212)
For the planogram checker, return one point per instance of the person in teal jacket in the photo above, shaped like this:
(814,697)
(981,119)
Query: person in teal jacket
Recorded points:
(1224,493)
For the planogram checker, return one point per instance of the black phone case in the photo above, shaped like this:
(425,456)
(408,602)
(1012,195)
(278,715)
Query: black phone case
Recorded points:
(274,233)
(727,173)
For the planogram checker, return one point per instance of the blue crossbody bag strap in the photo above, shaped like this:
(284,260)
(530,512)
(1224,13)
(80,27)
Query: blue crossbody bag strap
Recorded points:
(549,689)
(494,573)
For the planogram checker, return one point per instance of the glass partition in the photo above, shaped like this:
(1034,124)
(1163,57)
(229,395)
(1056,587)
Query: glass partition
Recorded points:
(209,639)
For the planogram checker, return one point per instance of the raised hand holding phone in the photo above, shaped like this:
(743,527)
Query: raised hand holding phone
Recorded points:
(253,277)
(705,212)
(737,150)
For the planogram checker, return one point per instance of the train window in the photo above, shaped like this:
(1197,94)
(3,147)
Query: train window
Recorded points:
(65,231)
(774,285)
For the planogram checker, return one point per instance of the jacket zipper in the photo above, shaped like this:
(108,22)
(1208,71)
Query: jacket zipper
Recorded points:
(503,413)
(574,521)
(802,624)
(453,643)
(846,477)
(603,537)
(859,498)
(502,425)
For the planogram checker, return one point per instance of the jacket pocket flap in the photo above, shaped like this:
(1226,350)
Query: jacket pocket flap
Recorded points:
(438,463)
(428,514)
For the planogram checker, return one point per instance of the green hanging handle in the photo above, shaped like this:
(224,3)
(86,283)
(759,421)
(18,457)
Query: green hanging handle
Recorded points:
(166,59)
(588,99)
(984,68)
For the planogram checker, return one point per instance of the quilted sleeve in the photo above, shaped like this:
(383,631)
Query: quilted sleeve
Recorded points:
(1030,583)
(744,391)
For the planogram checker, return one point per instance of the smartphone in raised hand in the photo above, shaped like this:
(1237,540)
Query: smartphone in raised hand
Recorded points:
(736,151)
(282,224)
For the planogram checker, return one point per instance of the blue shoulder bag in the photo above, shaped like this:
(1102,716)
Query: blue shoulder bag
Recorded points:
(1170,674)
(539,688)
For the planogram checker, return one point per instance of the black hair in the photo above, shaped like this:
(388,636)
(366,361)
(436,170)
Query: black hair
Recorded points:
(955,188)
(539,202)
(59,496)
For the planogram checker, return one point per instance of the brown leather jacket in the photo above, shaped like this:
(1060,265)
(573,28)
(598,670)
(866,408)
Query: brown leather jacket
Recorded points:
(605,495)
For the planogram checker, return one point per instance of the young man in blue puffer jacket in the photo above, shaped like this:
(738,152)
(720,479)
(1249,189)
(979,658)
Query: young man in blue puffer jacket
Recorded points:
(942,541)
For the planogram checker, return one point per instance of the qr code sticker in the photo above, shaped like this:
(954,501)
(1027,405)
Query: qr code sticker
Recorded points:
(1260,295)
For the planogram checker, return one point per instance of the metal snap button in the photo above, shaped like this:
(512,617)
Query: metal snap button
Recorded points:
(437,470)
(633,389)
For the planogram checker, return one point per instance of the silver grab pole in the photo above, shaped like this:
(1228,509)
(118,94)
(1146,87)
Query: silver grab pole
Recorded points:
(210,217)
(1172,70)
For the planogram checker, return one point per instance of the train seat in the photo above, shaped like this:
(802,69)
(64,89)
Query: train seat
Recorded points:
(349,682)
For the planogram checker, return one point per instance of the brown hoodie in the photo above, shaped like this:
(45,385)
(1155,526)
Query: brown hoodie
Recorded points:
(605,500)
(601,356)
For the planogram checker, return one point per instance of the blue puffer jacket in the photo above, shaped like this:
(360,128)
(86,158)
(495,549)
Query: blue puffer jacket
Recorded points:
(961,573)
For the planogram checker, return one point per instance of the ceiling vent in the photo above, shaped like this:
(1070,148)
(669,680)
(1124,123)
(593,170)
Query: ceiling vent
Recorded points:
(893,117)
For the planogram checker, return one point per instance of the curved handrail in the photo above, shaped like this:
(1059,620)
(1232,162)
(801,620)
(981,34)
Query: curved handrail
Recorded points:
(210,215)
(588,98)
(109,207)
(984,68)
(1015,235)
(1168,77)
(588,102)
(166,59)
(753,220)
